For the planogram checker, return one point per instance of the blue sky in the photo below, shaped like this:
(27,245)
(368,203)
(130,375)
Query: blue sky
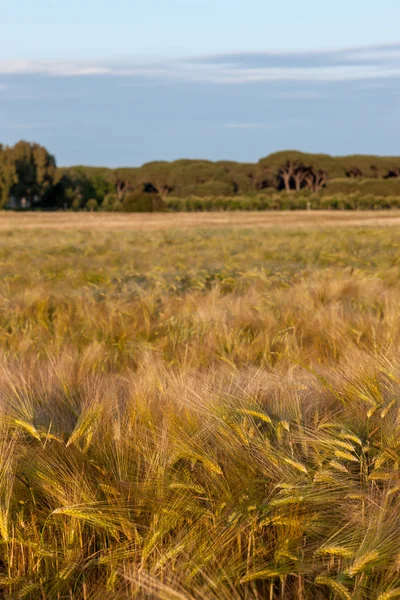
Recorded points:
(124,82)
(106,29)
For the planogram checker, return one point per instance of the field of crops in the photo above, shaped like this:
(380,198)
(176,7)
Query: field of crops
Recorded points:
(198,407)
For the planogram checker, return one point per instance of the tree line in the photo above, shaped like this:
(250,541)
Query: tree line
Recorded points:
(30,179)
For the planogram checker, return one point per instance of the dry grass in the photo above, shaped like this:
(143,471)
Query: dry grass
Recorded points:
(161,221)
(199,413)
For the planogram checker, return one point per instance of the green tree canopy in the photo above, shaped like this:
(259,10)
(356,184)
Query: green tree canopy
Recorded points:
(27,170)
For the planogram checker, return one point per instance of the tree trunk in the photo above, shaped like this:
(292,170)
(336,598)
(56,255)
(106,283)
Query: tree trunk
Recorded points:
(120,189)
(298,179)
(286,181)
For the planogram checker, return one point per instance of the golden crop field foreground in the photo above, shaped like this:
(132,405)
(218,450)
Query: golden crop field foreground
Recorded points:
(200,413)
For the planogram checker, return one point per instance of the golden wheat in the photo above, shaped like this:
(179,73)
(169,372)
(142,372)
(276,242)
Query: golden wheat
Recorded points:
(199,413)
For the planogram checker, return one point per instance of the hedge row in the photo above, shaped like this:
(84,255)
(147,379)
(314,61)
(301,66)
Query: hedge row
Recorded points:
(282,201)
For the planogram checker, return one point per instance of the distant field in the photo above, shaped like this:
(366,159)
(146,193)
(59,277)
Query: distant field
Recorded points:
(138,221)
(200,406)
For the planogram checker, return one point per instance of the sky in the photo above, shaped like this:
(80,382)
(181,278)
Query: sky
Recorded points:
(124,82)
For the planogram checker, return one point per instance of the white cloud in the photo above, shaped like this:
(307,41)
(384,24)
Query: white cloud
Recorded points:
(374,54)
(359,64)
(226,74)
(55,68)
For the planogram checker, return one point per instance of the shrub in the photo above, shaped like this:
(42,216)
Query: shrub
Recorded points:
(92,204)
(76,204)
(112,203)
(142,202)
(376,187)
(209,188)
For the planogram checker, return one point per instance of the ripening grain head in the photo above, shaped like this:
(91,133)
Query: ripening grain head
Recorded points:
(199,414)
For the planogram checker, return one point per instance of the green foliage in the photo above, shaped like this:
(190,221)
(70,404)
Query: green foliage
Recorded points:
(376,187)
(325,162)
(111,203)
(209,188)
(243,184)
(28,175)
(8,174)
(78,185)
(27,172)
(142,202)
(92,204)
(285,201)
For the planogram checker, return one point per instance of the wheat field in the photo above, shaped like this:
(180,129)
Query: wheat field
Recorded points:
(192,220)
(199,411)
